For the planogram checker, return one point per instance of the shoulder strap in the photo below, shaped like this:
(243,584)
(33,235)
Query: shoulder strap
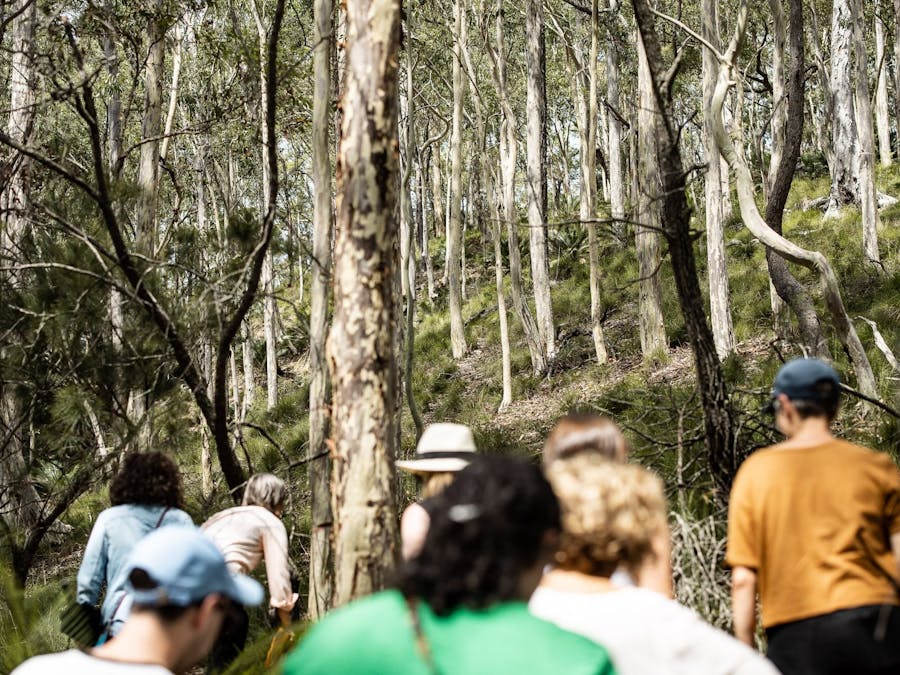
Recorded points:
(422,645)
(161,516)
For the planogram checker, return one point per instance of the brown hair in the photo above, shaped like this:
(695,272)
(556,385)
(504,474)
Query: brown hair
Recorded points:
(611,514)
(578,433)
(150,478)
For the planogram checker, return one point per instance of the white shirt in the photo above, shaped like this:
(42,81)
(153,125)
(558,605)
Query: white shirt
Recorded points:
(74,662)
(645,632)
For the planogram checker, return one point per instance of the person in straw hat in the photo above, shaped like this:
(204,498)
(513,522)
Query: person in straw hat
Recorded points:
(443,450)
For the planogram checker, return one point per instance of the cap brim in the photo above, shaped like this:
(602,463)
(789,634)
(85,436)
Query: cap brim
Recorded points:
(245,590)
(435,465)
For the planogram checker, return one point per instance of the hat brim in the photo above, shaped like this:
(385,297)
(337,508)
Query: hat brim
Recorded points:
(434,465)
(244,590)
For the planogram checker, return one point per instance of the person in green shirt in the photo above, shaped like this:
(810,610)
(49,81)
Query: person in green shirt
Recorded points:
(460,605)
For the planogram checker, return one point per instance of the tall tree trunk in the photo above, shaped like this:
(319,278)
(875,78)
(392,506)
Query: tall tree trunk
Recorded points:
(20,504)
(717,267)
(586,116)
(588,179)
(778,125)
(427,222)
(268,270)
(758,227)
(897,76)
(362,338)
(505,359)
(648,198)
(791,291)
(148,184)
(676,222)
(321,575)
(614,150)
(437,196)
(536,114)
(454,236)
(408,248)
(508,157)
(881,91)
(844,140)
(866,140)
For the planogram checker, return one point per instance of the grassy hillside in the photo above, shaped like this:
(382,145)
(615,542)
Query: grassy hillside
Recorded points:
(655,401)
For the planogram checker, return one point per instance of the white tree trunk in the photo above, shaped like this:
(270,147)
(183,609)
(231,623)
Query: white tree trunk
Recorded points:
(647,197)
(757,225)
(537,171)
(881,91)
(454,237)
(508,156)
(844,140)
(614,148)
(866,141)
(717,267)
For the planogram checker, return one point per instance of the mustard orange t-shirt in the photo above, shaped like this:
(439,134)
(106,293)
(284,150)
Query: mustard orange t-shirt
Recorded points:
(815,523)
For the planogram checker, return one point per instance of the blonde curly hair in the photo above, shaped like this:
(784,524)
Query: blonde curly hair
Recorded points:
(610,513)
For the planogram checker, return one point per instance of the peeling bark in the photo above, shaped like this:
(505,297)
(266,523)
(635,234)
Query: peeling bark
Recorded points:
(361,344)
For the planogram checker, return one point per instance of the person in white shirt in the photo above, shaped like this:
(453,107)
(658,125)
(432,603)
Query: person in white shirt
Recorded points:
(611,513)
(182,592)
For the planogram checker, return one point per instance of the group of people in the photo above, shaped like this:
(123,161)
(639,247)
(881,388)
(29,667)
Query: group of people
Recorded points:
(144,556)
(510,567)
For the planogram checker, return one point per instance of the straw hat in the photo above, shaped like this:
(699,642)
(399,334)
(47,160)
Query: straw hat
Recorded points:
(443,447)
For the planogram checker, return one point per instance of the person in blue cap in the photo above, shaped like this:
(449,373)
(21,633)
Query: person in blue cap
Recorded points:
(814,531)
(181,592)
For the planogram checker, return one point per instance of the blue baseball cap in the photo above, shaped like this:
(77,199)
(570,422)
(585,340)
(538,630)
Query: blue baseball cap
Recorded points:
(185,566)
(797,379)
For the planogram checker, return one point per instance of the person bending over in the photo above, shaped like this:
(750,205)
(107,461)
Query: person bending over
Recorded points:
(459,606)
(247,535)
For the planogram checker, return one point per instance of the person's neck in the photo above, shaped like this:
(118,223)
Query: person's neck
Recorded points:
(810,432)
(142,640)
(572,581)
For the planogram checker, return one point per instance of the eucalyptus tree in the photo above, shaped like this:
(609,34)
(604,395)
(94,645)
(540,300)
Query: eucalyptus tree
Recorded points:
(454,206)
(717,266)
(361,343)
(536,146)
(319,470)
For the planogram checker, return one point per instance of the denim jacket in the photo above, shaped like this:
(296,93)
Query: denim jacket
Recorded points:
(115,533)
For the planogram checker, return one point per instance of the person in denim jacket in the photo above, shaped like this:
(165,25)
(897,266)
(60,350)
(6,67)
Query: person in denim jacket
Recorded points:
(145,494)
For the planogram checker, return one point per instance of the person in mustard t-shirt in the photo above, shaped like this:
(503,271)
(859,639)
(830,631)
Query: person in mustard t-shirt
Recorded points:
(814,528)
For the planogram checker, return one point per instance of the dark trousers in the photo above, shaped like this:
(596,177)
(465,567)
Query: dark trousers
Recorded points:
(863,641)
(230,642)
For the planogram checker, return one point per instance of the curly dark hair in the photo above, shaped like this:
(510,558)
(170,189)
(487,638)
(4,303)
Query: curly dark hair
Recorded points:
(487,529)
(150,478)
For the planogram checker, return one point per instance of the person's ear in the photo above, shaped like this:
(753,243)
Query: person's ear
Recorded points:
(207,610)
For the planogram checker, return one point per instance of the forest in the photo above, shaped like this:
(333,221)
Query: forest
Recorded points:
(284,235)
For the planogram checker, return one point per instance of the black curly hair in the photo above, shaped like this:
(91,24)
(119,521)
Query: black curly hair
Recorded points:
(487,529)
(150,478)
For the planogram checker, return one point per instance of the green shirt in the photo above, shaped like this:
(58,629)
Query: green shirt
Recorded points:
(374,636)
